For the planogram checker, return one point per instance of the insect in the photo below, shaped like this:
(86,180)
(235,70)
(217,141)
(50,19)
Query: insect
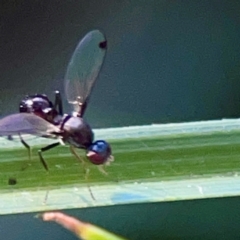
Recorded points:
(47,119)
(40,105)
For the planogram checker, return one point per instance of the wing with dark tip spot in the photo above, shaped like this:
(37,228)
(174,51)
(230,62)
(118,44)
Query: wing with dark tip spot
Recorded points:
(83,69)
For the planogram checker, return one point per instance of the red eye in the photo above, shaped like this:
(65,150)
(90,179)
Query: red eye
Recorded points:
(99,152)
(95,158)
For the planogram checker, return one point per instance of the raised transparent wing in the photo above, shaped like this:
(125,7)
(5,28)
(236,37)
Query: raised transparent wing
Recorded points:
(26,123)
(84,68)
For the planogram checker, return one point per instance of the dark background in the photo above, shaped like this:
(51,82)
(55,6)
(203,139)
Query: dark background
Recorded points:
(203,219)
(168,61)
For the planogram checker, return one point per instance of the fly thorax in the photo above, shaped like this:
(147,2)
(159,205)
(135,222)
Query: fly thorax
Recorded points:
(78,132)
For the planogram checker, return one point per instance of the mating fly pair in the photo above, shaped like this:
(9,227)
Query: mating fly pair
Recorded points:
(38,116)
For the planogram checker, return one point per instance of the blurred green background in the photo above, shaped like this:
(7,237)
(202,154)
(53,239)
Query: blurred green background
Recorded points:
(168,61)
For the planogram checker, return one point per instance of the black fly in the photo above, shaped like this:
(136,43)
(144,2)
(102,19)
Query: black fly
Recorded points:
(47,119)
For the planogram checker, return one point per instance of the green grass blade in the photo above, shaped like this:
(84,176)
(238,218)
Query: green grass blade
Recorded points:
(149,162)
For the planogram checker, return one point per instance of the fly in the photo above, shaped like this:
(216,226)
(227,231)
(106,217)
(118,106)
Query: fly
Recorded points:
(47,119)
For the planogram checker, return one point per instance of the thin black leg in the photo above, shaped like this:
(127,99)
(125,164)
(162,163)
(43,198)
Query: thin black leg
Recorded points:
(45,149)
(58,103)
(26,146)
(9,137)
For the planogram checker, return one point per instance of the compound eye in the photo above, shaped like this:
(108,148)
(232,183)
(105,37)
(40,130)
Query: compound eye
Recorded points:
(99,152)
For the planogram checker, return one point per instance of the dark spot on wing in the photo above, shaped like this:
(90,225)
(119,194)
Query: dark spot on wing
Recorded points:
(103,44)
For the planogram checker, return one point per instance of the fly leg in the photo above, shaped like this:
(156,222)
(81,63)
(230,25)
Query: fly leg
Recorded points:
(45,164)
(26,146)
(9,137)
(108,162)
(86,169)
(45,149)
(28,149)
(58,103)
(102,170)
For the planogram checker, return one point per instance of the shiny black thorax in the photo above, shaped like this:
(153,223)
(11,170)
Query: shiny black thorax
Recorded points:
(77,132)
(40,105)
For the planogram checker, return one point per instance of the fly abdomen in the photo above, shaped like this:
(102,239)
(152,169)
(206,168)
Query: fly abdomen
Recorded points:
(77,132)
